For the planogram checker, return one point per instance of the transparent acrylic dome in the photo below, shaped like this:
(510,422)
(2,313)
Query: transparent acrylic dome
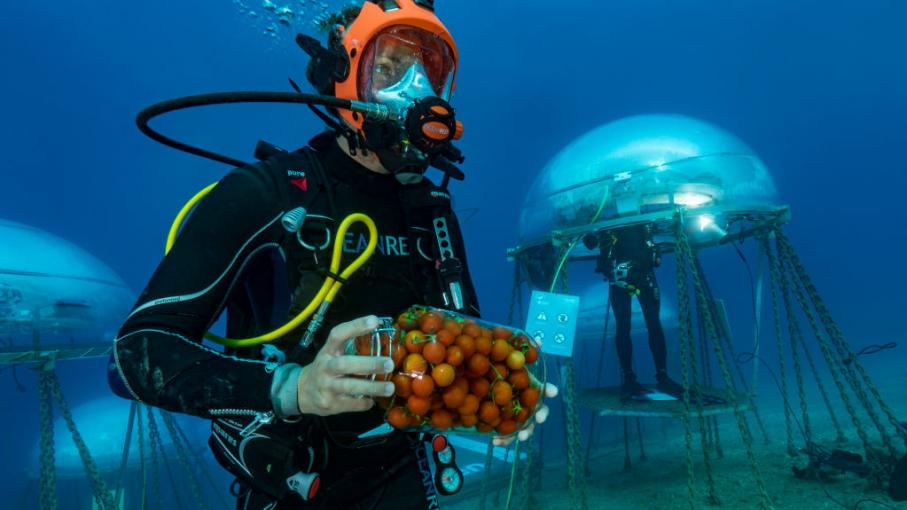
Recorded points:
(645,168)
(52,286)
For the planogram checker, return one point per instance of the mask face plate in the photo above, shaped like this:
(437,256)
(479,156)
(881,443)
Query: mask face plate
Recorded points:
(403,64)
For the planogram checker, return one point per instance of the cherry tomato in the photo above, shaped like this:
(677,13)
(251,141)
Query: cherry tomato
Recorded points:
(418,406)
(531,354)
(462,383)
(364,345)
(441,419)
(414,364)
(469,420)
(397,356)
(479,387)
(501,333)
(478,365)
(414,341)
(443,375)
(470,405)
(434,352)
(397,417)
(507,411)
(422,386)
(522,415)
(453,326)
(502,393)
(519,379)
(506,427)
(500,349)
(454,397)
(467,344)
(403,385)
(498,371)
(430,323)
(454,356)
(489,412)
(445,337)
(516,360)
(472,329)
(483,346)
(529,398)
(406,320)
(483,427)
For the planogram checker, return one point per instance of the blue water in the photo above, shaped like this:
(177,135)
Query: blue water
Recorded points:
(817,88)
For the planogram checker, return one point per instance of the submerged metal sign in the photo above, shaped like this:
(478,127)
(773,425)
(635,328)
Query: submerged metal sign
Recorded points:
(552,321)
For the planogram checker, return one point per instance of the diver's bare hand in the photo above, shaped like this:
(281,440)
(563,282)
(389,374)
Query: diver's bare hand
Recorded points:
(324,386)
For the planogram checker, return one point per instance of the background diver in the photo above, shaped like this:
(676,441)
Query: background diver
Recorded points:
(627,259)
(283,411)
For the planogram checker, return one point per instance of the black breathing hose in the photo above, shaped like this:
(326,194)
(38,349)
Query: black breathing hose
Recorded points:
(216,98)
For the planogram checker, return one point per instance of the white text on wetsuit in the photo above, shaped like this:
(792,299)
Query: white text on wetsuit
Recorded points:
(387,245)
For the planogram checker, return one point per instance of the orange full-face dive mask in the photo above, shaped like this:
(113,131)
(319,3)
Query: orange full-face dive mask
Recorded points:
(401,56)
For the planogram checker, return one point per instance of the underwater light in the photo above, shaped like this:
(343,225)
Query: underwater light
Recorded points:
(707,223)
(691,198)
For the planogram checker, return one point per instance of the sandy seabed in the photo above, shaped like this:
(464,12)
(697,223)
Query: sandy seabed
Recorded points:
(660,481)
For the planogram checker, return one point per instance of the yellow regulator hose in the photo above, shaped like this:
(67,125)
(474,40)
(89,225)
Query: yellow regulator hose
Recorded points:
(325,295)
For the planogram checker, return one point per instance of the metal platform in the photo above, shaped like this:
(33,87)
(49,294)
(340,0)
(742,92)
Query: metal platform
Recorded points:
(607,402)
(50,352)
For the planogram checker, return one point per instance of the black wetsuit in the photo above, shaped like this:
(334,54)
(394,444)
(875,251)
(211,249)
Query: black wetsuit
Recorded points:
(633,246)
(234,254)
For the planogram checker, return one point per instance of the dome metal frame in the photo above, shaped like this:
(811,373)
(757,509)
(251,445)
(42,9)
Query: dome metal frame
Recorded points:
(740,223)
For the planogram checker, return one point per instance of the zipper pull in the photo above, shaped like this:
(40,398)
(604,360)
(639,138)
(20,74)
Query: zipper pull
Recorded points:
(260,420)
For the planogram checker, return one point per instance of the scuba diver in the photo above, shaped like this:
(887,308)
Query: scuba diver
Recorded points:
(627,259)
(294,419)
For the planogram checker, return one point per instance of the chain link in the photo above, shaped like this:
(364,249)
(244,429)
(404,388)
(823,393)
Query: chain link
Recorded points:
(706,374)
(696,391)
(841,342)
(98,487)
(141,430)
(184,462)
(575,478)
(830,361)
(200,463)
(796,340)
(812,365)
(684,251)
(528,496)
(489,457)
(154,440)
(779,344)
(879,473)
(686,332)
(824,393)
(47,493)
(724,336)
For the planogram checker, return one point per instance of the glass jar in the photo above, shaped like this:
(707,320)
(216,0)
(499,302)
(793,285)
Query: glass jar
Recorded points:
(455,373)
